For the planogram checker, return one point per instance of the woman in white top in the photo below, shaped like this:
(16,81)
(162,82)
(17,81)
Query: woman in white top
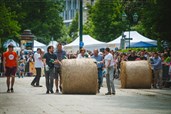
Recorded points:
(83,54)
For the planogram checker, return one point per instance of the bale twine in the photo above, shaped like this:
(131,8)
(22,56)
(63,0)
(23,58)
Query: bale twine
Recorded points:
(136,74)
(79,76)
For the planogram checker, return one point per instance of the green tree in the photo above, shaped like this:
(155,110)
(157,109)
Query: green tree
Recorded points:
(42,17)
(158,22)
(106,19)
(73,28)
(9,26)
(88,26)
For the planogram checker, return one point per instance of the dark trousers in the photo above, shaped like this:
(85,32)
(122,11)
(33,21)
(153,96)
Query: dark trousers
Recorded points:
(37,77)
(49,79)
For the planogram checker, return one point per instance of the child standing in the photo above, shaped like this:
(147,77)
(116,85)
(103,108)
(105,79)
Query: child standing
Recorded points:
(22,68)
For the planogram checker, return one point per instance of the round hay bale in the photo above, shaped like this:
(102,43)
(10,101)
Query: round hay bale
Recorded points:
(136,74)
(79,76)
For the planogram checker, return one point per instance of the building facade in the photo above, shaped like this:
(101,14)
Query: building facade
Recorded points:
(71,7)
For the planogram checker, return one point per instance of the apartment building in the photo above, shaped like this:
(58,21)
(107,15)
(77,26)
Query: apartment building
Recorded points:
(71,7)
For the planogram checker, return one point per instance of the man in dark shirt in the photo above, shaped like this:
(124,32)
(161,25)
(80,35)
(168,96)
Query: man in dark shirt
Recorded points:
(132,57)
(50,59)
(142,56)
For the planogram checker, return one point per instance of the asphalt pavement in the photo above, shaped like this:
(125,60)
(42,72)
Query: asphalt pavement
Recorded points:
(33,100)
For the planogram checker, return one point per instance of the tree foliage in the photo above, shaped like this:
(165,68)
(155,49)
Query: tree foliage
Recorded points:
(42,17)
(9,26)
(73,28)
(156,19)
(104,21)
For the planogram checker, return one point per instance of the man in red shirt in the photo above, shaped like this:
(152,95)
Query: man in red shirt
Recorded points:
(10,60)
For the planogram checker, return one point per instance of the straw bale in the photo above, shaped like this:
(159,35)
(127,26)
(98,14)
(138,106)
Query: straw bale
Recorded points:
(79,76)
(136,74)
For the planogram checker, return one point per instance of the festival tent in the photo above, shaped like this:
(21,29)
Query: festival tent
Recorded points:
(89,44)
(53,43)
(142,45)
(10,41)
(39,45)
(136,37)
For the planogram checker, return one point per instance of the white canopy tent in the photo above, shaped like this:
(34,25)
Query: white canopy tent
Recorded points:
(39,45)
(53,43)
(89,44)
(10,41)
(136,37)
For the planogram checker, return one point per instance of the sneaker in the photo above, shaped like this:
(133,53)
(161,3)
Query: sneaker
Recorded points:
(38,86)
(33,85)
(12,90)
(113,93)
(108,93)
(47,92)
(8,91)
(51,91)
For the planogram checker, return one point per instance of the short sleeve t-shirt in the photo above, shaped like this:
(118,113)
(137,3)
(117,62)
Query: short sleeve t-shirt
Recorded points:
(108,57)
(10,59)
(38,62)
(49,58)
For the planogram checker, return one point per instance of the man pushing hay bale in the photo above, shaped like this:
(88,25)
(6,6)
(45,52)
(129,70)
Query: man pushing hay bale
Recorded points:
(136,74)
(79,76)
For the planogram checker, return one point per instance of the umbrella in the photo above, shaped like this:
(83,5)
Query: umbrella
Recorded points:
(10,41)
(142,44)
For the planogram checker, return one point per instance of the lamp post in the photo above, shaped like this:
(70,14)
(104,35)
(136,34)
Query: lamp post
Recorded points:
(135,19)
(80,23)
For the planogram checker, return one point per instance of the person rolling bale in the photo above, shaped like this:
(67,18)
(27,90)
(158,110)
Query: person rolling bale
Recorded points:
(79,76)
(136,74)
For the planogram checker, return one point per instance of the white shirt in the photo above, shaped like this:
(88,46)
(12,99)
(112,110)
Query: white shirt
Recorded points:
(38,62)
(108,57)
(80,56)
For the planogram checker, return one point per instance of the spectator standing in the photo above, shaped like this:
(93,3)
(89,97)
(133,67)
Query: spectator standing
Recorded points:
(132,56)
(22,68)
(110,70)
(83,54)
(157,68)
(99,60)
(29,59)
(10,63)
(49,59)
(38,63)
(60,54)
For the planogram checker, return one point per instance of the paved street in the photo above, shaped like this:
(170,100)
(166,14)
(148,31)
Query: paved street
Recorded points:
(33,100)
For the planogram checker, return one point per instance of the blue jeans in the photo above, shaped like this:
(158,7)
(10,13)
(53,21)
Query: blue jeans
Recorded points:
(100,76)
(49,79)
